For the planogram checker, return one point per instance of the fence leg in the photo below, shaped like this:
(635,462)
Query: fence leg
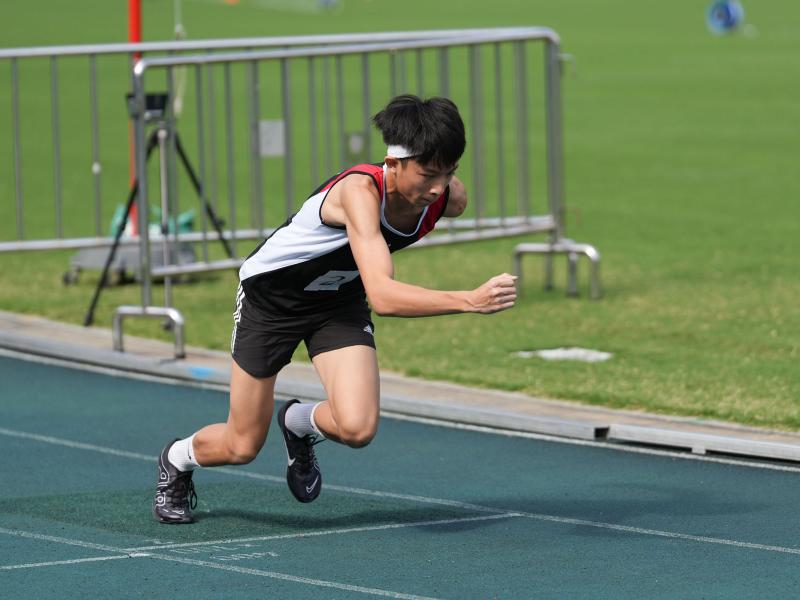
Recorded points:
(572,274)
(518,271)
(158,312)
(548,271)
(594,277)
(573,251)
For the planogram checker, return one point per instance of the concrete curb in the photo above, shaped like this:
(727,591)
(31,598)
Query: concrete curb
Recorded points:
(91,348)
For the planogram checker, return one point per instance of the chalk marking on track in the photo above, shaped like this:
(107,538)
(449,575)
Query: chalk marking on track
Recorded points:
(288,536)
(212,565)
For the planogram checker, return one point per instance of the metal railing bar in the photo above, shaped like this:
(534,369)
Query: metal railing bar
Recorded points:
(431,240)
(520,82)
(444,72)
(420,74)
(393,73)
(341,114)
(478,141)
(212,138)
(17,147)
(288,166)
(554,150)
(498,101)
(327,148)
(201,159)
(259,42)
(402,70)
(55,129)
(313,151)
(230,162)
(256,164)
(344,49)
(96,165)
(365,83)
(142,199)
(537,223)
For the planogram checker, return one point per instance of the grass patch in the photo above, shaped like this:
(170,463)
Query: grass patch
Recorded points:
(680,161)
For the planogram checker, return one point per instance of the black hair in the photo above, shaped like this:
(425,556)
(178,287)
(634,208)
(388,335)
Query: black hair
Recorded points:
(432,129)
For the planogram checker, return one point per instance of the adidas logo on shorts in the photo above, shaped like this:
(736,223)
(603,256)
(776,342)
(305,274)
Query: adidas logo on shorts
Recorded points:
(368,329)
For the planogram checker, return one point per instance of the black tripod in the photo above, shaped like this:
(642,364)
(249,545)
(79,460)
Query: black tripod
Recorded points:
(217,223)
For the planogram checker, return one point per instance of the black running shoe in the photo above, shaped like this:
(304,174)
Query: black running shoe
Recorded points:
(175,497)
(302,474)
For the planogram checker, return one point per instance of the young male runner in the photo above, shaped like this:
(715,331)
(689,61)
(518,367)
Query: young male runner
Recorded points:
(310,281)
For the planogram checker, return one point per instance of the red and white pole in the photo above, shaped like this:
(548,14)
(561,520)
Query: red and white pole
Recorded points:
(134,36)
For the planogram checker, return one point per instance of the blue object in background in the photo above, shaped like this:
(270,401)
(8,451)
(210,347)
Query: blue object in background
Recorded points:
(724,16)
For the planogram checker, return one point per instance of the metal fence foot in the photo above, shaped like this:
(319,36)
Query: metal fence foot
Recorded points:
(173,316)
(573,251)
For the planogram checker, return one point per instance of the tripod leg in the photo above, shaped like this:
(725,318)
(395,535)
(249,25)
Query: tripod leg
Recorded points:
(206,206)
(89,319)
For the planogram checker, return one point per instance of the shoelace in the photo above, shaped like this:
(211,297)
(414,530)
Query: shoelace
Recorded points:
(305,457)
(180,493)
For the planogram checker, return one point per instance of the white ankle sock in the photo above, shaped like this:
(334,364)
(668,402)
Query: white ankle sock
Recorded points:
(181,455)
(300,419)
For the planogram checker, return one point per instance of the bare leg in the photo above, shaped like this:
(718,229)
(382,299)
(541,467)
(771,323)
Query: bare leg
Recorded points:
(239,440)
(351,381)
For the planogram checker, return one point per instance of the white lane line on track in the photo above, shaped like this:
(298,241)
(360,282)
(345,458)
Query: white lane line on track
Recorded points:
(424,420)
(427,500)
(72,444)
(241,472)
(201,563)
(664,534)
(295,579)
(60,540)
(305,534)
(55,563)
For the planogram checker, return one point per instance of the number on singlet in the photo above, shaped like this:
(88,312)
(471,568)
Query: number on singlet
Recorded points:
(331,281)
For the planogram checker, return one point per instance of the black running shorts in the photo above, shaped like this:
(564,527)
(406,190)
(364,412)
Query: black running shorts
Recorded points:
(263,343)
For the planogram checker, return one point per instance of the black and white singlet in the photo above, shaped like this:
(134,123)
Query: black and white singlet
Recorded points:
(307,265)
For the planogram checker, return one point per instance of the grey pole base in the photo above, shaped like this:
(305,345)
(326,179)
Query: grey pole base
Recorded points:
(173,315)
(574,251)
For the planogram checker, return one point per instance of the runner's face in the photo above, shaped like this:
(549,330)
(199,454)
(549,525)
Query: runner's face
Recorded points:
(422,184)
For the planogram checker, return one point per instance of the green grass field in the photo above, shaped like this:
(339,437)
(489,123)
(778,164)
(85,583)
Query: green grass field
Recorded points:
(680,149)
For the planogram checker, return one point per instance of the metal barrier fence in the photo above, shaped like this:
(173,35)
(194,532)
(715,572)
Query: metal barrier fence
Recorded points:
(265,125)
(65,165)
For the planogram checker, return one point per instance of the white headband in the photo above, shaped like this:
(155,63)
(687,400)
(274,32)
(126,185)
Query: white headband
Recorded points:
(399,152)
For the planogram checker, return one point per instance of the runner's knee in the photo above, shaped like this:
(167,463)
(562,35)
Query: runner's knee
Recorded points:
(357,435)
(243,451)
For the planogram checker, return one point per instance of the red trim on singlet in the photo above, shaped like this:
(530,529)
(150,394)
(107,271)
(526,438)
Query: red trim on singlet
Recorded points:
(374,171)
(435,209)
(435,212)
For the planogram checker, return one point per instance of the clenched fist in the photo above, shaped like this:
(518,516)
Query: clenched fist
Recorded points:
(499,293)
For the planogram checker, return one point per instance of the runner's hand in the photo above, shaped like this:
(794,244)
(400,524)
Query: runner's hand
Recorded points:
(499,293)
